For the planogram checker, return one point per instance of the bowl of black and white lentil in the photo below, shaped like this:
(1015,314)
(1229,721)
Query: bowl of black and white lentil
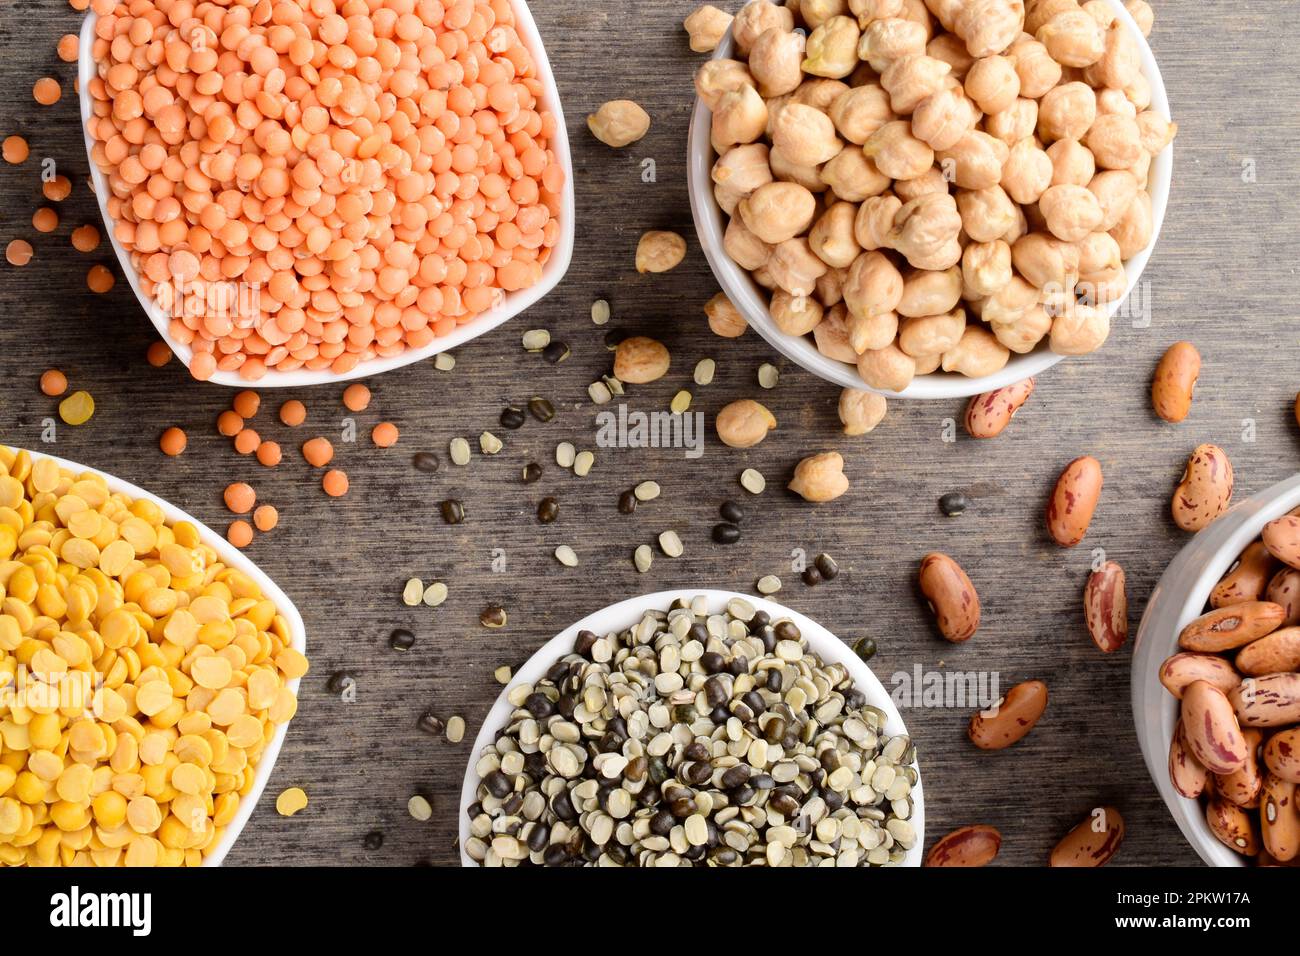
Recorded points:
(693,728)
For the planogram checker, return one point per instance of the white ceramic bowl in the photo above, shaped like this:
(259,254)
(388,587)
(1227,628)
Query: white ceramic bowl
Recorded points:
(231,557)
(1178,599)
(511,305)
(751,299)
(624,614)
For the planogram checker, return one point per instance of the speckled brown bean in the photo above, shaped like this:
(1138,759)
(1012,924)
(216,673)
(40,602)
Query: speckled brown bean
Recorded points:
(987,415)
(1279,819)
(1282,538)
(1248,579)
(1269,701)
(1284,589)
(1271,654)
(1205,490)
(1226,628)
(1174,381)
(1232,826)
(1211,730)
(1242,786)
(1282,754)
(952,597)
(1105,607)
(1092,842)
(1011,718)
(1074,499)
(967,846)
(1181,669)
(1186,773)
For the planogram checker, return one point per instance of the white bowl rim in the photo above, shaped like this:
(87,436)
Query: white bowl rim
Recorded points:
(746,295)
(1178,598)
(513,304)
(231,557)
(624,614)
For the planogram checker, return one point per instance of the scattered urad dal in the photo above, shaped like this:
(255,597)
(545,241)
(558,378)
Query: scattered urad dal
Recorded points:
(310,184)
(935,185)
(141,678)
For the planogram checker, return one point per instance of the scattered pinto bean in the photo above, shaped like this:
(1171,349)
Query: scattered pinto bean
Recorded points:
(1232,826)
(987,415)
(1073,501)
(1011,718)
(1282,538)
(951,595)
(1210,728)
(1174,381)
(1271,654)
(1092,842)
(1205,490)
(1186,773)
(1179,671)
(1230,627)
(1105,607)
(1247,580)
(967,846)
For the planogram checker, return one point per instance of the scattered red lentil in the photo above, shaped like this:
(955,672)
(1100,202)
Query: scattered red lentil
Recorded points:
(293,413)
(19,252)
(159,353)
(45,219)
(356,397)
(268,454)
(229,423)
(335,483)
(240,533)
(266,517)
(240,497)
(173,441)
(86,239)
(246,404)
(79,4)
(100,279)
(16,150)
(53,383)
(47,91)
(57,189)
(318,452)
(247,441)
(384,434)
(69,46)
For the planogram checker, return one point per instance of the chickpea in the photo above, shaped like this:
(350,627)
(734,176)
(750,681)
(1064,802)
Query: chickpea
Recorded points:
(1079,330)
(1070,212)
(716,77)
(853,177)
(756,17)
(816,12)
(985,268)
(988,26)
(1142,15)
(1100,11)
(952,50)
(740,117)
(830,287)
(1133,231)
(1141,170)
(910,79)
(1097,252)
(1155,132)
(725,319)
(925,364)
(795,267)
(1103,286)
(889,369)
(805,136)
(659,251)
(1010,302)
(1013,124)
(861,411)
(925,231)
(1073,38)
(874,221)
(745,249)
(977,353)
(986,214)
(873,285)
(1040,12)
(918,12)
(738,172)
(1037,71)
(819,93)
(1139,92)
(928,293)
(1027,172)
(1115,189)
(943,118)
(774,62)
(868,10)
(820,478)
(763,278)
(975,161)
(1115,102)
(993,83)
(778,211)
(859,111)
(1046,261)
(831,237)
(897,153)
(932,334)
(706,28)
(1072,163)
(1115,142)
(871,332)
(833,48)
(784,169)
(1120,64)
(744,423)
(1022,334)
(1021,227)
(831,336)
(618,123)
(884,41)
(1066,112)
(794,314)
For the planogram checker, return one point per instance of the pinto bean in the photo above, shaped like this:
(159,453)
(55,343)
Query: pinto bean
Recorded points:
(951,595)
(1105,607)
(1282,754)
(1230,627)
(1279,819)
(974,845)
(1232,826)
(1284,589)
(1247,580)
(1282,538)
(1092,842)
(1242,786)
(1205,490)
(1181,669)
(1269,701)
(988,415)
(1186,773)
(1069,510)
(1279,651)
(1211,729)
(1174,381)
(1011,718)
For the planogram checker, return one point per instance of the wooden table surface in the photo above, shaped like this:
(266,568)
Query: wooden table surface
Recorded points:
(1223,275)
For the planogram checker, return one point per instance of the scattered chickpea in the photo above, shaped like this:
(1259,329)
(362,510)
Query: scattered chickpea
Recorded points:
(861,411)
(619,123)
(820,478)
(659,251)
(744,423)
(724,318)
(640,359)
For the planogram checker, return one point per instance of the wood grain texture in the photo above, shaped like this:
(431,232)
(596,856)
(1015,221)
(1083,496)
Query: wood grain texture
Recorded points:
(1222,276)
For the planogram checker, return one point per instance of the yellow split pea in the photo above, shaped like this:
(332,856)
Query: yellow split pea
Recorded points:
(291,801)
(140,678)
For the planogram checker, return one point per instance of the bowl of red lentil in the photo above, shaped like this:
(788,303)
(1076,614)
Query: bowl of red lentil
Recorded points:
(311,197)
